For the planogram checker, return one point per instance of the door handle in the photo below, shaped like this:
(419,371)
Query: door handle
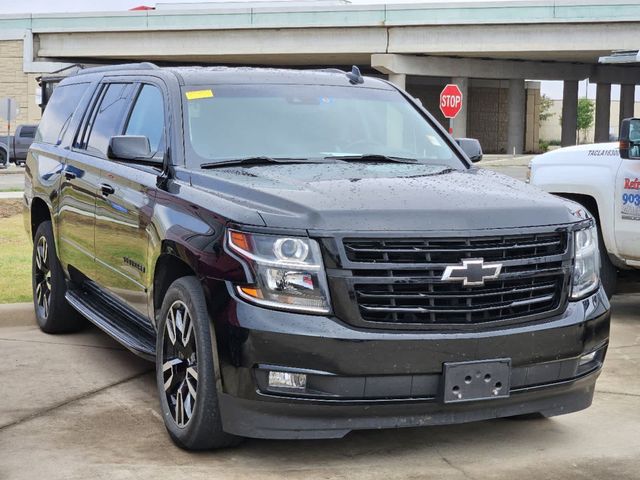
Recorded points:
(106,189)
(69,175)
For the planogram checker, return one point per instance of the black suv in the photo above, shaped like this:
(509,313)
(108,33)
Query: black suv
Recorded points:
(305,253)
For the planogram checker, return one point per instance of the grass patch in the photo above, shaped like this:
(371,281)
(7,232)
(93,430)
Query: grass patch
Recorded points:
(11,189)
(15,256)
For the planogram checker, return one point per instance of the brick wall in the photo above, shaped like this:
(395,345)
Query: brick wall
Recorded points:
(487,117)
(17,85)
(487,113)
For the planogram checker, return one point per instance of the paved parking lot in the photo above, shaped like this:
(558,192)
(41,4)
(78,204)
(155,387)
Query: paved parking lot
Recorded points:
(11,178)
(79,406)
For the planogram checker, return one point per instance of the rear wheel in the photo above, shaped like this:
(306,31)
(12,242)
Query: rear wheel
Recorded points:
(53,313)
(185,370)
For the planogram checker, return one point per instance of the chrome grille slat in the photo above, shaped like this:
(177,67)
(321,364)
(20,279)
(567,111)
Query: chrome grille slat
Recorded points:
(447,250)
(460,310)
(443,250)
(454,294)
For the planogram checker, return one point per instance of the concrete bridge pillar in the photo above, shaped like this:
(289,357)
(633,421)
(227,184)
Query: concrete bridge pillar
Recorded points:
(569,113)
(459,124)
(399,80)
(627,101)
(516,116)
(603,112)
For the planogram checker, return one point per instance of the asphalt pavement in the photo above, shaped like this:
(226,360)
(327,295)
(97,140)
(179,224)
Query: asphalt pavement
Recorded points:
(11,178)
(81,407)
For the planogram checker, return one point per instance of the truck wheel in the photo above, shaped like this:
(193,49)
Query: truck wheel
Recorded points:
(185,370)
(53,313)
(608,271)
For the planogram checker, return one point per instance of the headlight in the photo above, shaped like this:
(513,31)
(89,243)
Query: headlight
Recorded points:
(287,272)
(586,272)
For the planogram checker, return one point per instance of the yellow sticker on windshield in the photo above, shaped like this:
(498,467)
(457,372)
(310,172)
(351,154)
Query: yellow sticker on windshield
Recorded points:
(197,94)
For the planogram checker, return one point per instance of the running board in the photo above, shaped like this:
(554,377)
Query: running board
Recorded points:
(124,326)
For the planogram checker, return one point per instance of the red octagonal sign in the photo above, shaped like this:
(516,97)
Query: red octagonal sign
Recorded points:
(450,101)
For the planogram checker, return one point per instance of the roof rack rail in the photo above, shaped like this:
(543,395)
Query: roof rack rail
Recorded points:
(122,66)
(331,70)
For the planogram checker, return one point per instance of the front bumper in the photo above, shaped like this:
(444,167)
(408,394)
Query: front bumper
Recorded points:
(363,379)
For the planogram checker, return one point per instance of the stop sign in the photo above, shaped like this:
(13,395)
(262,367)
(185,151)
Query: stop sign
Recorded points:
(450,101)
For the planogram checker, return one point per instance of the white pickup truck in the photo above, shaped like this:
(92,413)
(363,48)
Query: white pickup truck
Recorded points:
(600,178)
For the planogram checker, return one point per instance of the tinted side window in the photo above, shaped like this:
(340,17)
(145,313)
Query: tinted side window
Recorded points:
(27,132)
(59,111)
(147,117)
(109,117)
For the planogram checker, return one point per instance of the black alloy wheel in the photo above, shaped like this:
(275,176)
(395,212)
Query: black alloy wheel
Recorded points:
(42,273)
(180,363)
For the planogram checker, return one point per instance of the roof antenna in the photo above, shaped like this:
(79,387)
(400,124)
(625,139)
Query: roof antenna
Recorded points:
(354,76)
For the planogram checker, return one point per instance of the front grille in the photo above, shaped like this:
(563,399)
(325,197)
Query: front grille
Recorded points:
(399,281)
(452,250)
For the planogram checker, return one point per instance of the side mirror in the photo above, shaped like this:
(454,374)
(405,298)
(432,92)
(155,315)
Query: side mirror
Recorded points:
(129,147)
(471,147)
(630,138)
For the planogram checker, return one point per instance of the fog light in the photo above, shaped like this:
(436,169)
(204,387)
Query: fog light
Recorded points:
(588,358)
(297,381)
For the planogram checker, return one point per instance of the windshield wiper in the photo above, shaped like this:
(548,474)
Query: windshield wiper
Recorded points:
(371,157)
(260,160)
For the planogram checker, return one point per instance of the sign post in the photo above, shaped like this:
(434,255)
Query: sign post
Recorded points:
(450,102)
(8,111)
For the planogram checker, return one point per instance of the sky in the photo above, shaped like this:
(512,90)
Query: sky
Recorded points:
(551,89)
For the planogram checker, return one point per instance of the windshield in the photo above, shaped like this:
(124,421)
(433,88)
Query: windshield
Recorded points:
(307,122)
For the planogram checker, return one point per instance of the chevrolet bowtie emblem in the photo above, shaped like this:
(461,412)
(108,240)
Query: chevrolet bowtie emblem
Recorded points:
(472,272)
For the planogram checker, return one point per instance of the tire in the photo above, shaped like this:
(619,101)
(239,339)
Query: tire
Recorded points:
(608,271)
(185,372)
(53,313)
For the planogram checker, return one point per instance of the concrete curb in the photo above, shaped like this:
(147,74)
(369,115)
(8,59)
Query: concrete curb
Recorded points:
(17,315)
(11,195)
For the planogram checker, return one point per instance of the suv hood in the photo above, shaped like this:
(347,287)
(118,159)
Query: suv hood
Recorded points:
(383,197)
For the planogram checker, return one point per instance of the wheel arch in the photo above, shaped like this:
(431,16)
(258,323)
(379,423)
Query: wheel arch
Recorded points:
(174,262)
(39,212)
(591,204)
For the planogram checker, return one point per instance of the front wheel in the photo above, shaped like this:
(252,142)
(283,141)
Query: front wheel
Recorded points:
(185,370)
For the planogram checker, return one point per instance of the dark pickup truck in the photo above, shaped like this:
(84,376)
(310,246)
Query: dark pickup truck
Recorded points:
(305,253)
(18,145)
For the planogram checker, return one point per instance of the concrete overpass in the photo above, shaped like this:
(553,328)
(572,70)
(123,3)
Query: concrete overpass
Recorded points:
(490,49)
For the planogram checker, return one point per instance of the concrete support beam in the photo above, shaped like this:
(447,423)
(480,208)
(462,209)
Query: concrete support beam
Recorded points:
(399,80)
(603,112)
(527,40)
(261,45)
(458,125)
(569,113)
(615,74)
(627,101)
(516,112)
(477,67)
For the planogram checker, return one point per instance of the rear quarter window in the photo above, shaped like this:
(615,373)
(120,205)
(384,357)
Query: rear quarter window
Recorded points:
(28,132)
(60,109)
